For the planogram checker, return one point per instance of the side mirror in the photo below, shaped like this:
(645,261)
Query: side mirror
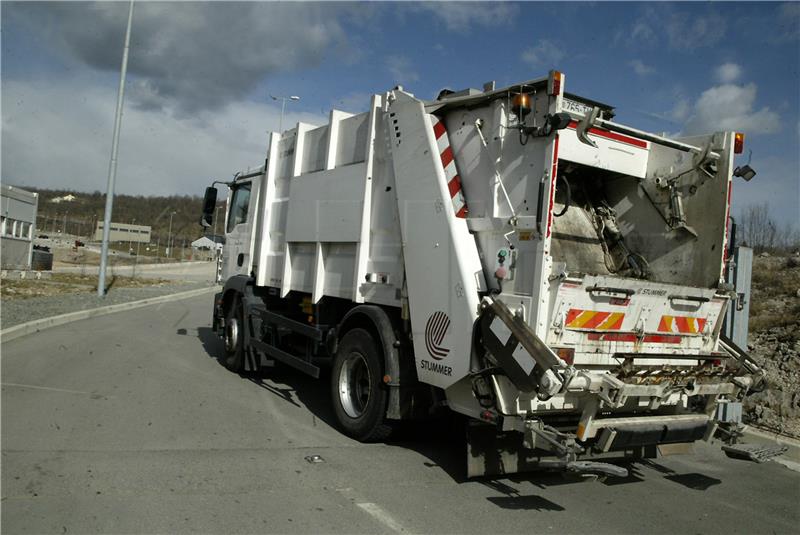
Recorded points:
(209,204)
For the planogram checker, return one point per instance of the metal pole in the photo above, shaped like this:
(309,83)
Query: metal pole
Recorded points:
(216,218)
(112,165)
(136,261)
(130,236)
(64,227)
(283,108)
(169,236)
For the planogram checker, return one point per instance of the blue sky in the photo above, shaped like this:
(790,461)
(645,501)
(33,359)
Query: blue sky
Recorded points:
(197,105)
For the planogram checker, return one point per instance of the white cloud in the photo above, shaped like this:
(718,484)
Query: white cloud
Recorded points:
(731,107)
(640,68)
(641,31)
(728,73)
(461,16)
(545,53)
(688,31)
(191,56)
(401,70)
(59,135)
(681,110)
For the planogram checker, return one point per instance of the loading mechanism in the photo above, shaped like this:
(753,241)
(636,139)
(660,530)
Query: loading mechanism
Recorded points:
(517,361)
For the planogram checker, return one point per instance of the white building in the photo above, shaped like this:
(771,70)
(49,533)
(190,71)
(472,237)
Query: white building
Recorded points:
(122,232)
(17,226)
(207,247)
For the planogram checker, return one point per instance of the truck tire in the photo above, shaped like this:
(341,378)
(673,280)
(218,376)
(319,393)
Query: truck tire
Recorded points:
(359,395)
(234,337)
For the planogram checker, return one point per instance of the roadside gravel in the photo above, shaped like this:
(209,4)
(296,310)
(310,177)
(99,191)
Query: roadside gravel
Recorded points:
(17,311)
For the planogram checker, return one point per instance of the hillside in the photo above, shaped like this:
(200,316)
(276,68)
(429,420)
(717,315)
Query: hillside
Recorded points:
(80,211)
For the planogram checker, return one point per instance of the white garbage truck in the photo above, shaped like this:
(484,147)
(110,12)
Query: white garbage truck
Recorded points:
(511,254)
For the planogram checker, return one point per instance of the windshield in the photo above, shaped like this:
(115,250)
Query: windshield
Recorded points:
(239,205)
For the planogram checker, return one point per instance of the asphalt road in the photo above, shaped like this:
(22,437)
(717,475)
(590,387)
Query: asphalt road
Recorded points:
(128,424)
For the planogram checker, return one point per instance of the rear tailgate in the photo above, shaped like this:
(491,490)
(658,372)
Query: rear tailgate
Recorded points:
(600,316)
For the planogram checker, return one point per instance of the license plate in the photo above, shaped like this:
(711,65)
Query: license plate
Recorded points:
(575,107)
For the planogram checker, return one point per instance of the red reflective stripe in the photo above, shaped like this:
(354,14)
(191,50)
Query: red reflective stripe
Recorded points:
(597,319)
(612,337)
(701,323)
(682,323)
(617,325)
(628,337)
(438,129)
(572,314)
(454,186)
(727,218)
(612,135)
(463,212)
(665,324)
(447,156)
(662,339)
(552,187)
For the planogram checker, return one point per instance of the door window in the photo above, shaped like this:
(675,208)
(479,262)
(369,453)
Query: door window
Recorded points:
(239,205)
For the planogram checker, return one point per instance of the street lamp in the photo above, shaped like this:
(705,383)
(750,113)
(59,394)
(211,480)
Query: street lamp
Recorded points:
(169,233)
(283,107)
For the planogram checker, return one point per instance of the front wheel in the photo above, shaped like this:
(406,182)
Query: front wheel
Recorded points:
(234,337)
(359,395)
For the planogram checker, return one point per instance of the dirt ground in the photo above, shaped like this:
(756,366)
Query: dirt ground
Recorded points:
(774,341)
(68,283)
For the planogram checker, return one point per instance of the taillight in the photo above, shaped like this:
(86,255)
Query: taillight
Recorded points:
(567,354)
(554,84)
(738,143)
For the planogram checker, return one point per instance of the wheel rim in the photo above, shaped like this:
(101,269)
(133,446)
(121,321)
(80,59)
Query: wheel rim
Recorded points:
(231,335)
(355,385)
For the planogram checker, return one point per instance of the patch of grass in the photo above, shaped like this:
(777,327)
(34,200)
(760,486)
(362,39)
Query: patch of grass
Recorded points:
(67,283)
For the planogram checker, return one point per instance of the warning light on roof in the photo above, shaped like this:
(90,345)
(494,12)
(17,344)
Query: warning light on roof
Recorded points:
(738,143)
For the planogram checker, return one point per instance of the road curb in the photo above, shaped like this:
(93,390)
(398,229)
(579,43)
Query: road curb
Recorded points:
(45,323)
(752,434)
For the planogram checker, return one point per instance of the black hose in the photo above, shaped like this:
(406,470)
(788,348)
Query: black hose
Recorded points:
(567,193)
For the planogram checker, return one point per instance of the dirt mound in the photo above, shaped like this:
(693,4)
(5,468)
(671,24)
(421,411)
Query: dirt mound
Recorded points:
(774,342)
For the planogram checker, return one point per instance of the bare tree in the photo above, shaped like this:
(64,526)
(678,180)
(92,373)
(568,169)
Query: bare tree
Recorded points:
(759,231)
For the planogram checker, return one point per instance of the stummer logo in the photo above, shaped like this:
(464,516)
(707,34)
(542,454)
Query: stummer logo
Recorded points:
(435,331)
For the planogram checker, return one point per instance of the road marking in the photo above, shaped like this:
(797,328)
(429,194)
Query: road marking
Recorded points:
(51,389)
(376,512)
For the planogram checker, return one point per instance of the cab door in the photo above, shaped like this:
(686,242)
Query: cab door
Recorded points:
(237,255)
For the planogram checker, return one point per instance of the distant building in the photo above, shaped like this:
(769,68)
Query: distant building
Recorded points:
(65,198)
(18,212)
(123,232)
(207,247)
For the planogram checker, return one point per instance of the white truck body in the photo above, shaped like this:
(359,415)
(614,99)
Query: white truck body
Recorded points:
(593,252)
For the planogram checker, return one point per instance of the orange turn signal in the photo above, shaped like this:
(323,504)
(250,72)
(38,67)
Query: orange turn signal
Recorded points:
(738,143)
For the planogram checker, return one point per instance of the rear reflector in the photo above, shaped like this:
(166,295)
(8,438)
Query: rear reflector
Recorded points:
(738,143)
(567,354)
(554,84)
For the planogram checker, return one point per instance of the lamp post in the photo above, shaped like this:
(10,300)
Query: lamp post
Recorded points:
(169,234)
(130,236)
(283,107)
(112,165)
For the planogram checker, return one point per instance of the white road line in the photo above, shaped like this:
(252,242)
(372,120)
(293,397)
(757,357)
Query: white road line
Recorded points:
(383,517)
(51,389)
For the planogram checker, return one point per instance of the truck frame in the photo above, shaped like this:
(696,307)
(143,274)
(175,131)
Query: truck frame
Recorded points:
(511,254)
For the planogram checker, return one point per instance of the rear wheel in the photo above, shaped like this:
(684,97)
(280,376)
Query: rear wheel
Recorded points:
(234,337)
(359,395)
